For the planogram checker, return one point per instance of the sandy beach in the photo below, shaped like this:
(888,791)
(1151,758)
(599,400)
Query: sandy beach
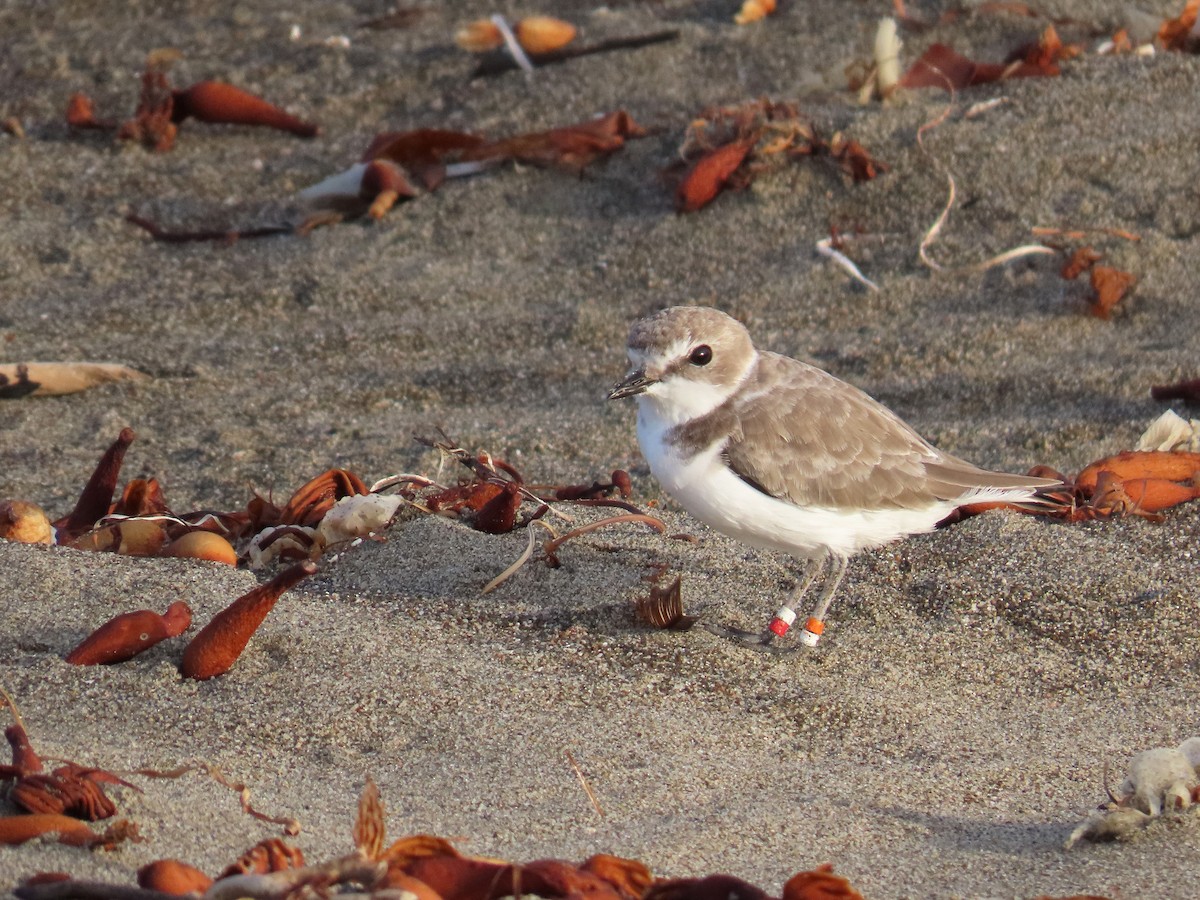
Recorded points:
(956,721)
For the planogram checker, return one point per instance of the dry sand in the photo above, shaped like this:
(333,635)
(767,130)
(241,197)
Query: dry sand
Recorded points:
(956,720)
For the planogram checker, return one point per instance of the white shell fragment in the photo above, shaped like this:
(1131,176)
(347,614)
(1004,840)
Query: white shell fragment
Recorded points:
(887,56)
(342,186)
(357,517)
(1109,825)
(1191,749)
(1159,779)
(350,519)
(1171,431)
(1160,782)
(266,546)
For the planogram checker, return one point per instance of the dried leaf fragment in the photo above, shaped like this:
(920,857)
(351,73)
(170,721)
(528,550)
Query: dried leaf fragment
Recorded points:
(152,124)
(713,887)
(663,608)
(630,877)
(1043,55)
(854,159)
(370,829)
(1082,259)
(405,851)
(710,174)
(268,855)
(1176,34)
(733,145)
(313,499)
(420,148)
(942,67)
(141,497)
(66,791)
(460,877)
(81,113)
(572,147)
(1109,286)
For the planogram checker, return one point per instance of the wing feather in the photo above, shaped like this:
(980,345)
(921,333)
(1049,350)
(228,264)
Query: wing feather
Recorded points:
(822,442)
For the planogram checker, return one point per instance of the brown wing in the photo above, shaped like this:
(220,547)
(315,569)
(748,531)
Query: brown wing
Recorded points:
(820,441)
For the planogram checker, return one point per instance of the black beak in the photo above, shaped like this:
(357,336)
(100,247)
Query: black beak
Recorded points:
(633,384)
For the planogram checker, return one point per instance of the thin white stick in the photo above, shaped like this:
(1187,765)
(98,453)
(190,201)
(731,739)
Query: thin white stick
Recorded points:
(825,248)
(936,227)
(403,478)
(520,560)
(1014,253)
(466,169)
(984,106)
(510,43)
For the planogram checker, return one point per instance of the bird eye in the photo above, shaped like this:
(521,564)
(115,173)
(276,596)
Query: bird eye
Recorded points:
(701,356)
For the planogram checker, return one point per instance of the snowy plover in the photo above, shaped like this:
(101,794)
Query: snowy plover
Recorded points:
(779,454)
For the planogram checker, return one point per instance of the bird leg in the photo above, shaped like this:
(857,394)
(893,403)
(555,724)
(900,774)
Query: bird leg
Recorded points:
(816,620)
(783,619)
(786,615)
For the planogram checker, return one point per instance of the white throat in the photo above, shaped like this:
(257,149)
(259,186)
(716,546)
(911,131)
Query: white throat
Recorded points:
(678,399)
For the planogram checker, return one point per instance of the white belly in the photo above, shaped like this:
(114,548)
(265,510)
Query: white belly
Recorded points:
(711,492)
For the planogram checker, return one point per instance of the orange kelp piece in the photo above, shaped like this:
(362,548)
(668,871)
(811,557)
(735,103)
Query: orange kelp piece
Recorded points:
(572,147)
(315,497)
(710,174)
(219,644)
(713,887)
(129,634)
(97,494)
(171,876)
(819,884)
(218,102)
(630,877)
(1176,34)
(1109,286)
(19,829)
(1131,465)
